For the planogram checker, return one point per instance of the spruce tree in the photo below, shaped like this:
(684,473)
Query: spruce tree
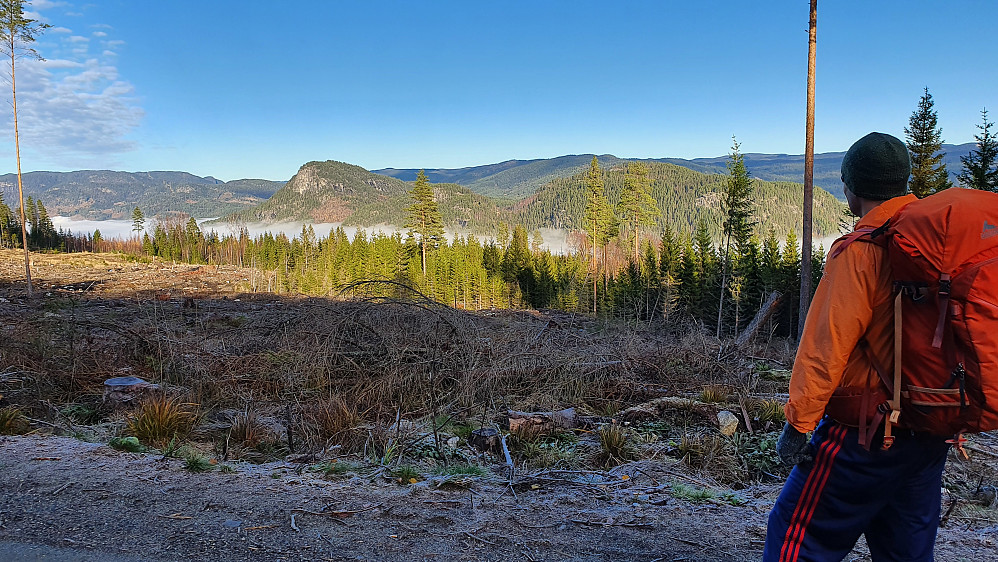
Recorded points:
(738,221)
(924,140)
(980,167)
(424,216)
(637,208)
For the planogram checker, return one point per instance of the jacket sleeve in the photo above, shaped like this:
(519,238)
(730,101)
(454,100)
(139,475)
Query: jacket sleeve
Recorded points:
(837,319)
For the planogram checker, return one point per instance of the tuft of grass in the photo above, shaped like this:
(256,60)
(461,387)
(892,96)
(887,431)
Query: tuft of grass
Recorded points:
(13,422)
(615,445)
(127,444)
(406,474)
(196,462)
(709,451)
(246,429)
(714,394)
(336,422)
(226,469)
(161,419)
(770,411)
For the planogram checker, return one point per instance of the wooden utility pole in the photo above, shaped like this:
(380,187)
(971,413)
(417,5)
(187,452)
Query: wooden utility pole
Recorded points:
(805,260)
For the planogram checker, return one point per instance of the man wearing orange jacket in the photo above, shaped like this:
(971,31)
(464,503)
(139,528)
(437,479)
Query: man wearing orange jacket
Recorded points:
(845,484)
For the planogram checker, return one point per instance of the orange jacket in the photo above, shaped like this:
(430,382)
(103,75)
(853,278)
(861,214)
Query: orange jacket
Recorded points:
(853,303)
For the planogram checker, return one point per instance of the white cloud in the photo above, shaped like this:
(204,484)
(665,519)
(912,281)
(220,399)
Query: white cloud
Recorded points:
(99,34)
(60,30)
(74,108)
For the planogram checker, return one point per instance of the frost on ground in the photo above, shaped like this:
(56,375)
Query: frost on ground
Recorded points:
(323,429)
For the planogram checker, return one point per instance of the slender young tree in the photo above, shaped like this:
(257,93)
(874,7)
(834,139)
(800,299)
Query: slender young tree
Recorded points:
(424,216)
(980,167)
(925,142)
(138,221)
(637,207)
(598,220)
(738,221)
(16,33)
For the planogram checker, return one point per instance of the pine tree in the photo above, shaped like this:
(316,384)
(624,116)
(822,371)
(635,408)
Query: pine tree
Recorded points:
(424,216)
(980,167)
(138,221)
(924,139)
(637,208)
(598,219)
(16,33)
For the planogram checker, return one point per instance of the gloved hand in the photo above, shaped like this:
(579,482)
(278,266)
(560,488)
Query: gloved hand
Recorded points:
(792,446)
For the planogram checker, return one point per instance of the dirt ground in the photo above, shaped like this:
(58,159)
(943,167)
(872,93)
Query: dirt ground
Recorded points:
(67,495)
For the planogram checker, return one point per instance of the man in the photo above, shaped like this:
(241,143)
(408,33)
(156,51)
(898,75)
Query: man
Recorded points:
(845,483)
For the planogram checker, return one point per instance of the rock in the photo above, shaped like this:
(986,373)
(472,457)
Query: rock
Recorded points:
(728,423)
(123,392)
(453,442)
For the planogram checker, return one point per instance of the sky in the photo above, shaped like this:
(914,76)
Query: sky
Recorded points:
(255,89)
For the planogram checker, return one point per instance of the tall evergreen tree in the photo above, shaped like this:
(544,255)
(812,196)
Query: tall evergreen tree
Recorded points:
(424,216)
(738,220)
(980,167)
(16,33)
(598,219)
(924,140)
(637,208)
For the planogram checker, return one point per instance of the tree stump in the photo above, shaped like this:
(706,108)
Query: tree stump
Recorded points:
(485,439)
(123,392)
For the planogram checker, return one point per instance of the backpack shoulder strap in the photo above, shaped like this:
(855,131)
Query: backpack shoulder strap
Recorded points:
(866,233)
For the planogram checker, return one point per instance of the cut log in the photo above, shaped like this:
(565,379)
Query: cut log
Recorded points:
(658,407)
(123,392)
(541,423)
(772,304)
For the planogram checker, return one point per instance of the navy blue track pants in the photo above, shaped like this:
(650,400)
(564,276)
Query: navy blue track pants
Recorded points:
(890,496)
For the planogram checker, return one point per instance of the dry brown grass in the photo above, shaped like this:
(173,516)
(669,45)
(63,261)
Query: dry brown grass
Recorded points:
(160,420)
(13,422)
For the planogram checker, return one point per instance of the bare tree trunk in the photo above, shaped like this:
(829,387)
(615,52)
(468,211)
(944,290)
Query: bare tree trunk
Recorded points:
(724,279)
(20,188)
(805,262)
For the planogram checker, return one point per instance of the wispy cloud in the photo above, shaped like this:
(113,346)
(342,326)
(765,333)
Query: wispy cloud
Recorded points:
(74,108)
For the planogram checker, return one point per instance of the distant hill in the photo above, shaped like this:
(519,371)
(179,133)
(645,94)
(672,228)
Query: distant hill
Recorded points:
(512,179)
(338,192)
(520,178)
(685,197)
(334,191)
(105,194)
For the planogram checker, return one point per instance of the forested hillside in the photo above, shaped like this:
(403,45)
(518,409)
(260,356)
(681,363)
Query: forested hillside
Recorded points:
(685,198)
(106,194)
(333,191)
(338,192)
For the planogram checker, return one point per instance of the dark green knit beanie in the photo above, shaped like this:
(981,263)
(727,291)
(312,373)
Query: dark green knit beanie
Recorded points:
(876,167)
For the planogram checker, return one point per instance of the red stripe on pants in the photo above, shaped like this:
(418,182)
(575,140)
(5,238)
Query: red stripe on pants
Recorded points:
(811,493)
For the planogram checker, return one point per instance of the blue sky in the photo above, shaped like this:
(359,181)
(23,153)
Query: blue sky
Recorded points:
(249,88)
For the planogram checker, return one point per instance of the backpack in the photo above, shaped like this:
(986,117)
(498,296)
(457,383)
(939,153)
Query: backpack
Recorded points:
(943,252)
